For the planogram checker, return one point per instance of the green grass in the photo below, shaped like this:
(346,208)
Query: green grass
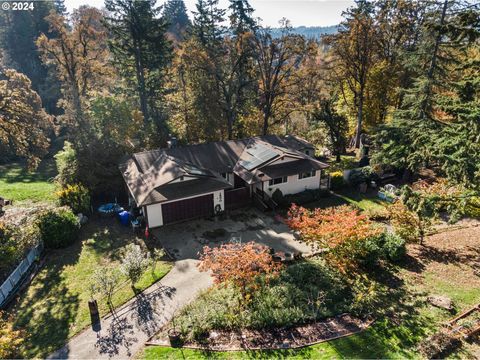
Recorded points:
(382,340)
(365,202)
(55,305)
(346,162)
(18,184)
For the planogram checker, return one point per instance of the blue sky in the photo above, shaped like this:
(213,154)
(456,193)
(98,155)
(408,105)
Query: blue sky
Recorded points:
(299,12)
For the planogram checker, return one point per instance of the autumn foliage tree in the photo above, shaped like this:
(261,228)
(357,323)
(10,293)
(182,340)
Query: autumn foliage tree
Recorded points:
(24,124)
(341,230)
(239,264)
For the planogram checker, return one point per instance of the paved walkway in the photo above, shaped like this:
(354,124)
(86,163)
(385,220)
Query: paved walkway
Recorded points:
(121,335)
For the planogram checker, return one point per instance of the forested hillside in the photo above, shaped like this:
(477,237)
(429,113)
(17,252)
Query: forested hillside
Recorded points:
(309,32)
(403,76)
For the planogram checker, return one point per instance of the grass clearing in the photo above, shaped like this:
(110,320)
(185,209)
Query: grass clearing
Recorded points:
(365,202)
(444,266)
(55,305)
(19,185)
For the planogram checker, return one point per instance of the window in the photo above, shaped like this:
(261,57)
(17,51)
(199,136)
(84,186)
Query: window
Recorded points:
(307,152)
(307,174)
(224,175)
(279,180)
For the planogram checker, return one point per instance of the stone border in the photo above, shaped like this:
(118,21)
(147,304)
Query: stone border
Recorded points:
(365,325)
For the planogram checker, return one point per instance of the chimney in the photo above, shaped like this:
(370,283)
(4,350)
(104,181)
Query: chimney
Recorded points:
(172,142)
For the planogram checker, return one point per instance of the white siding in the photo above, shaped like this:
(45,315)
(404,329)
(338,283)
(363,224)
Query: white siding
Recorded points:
(154,214)
(294,184)
(154,211)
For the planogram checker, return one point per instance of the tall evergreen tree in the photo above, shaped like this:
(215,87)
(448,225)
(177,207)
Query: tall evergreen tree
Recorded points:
(430,128)
(142,53)
(208,25)
(175,13)
(241,17)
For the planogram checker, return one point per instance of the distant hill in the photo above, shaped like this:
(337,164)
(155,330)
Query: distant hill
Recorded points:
(310,32)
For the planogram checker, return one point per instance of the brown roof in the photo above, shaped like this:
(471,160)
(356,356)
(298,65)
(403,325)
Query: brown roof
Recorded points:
(290,168)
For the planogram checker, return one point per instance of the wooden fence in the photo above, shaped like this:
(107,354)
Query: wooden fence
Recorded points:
(12,284)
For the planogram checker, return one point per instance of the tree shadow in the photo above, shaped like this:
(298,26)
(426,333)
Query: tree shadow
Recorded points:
(120,334)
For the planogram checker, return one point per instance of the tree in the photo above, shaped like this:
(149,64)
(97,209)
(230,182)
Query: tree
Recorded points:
(335,124)
(430,127)
(142,53)
(354,48)
(175,13)
(10,338)
(24,125)
(105,281)
(79,53)
(240,265)
(330,227)
(276,60)
(134,262)
(19,30)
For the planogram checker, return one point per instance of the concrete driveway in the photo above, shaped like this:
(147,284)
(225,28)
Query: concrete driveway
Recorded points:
(185,240)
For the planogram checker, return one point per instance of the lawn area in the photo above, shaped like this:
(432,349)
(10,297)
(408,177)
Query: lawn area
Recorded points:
(444,266)
(55,305)
(18,184)
(365,202)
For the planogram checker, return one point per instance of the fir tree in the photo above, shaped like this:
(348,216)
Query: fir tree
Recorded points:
(175,13)
(142,52)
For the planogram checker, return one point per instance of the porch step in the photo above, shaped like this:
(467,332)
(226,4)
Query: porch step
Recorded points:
(260,204)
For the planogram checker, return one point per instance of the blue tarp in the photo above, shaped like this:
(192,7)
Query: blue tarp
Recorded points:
(124,218)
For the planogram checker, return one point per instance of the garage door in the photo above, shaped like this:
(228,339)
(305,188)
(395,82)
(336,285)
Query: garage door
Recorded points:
(200,206)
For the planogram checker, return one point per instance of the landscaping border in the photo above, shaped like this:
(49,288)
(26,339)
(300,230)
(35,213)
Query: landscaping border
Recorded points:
(280,345)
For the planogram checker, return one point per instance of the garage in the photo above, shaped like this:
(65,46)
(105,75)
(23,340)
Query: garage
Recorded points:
(200,206)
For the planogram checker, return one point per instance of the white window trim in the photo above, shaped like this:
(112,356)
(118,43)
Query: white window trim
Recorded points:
(313,173)
(281,177)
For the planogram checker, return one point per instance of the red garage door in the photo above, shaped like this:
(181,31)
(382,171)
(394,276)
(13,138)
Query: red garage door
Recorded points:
(200,206)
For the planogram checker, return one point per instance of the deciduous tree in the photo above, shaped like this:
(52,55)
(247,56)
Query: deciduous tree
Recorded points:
(239,264)
(24,124)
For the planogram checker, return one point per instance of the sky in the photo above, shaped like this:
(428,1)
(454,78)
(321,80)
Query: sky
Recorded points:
(299,12)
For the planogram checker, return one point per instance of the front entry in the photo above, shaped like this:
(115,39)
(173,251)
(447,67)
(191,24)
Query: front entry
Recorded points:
(200,206)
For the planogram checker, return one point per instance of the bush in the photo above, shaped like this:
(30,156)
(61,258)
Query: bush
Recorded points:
(393,247)
(362,175)
(58,228)
(404,222)
(439,345)
(377,213)
(472,209)
(305,197)
(67,165)
(76,197)
(337,181)
(278,197)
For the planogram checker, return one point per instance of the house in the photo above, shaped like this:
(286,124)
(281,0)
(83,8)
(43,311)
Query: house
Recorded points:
(184,182)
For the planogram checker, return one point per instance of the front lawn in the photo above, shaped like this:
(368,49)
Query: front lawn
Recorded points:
(55,305)
(348,196)
(444,266)
(18,184)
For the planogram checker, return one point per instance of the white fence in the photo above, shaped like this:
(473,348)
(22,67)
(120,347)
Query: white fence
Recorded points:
(10,286)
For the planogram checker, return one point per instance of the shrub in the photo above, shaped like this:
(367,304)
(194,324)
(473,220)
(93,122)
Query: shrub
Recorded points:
(134,262)
(439,345)
(377,213)
(305,197)
(58,228)
(361,175)
(10,338)
(76,197)
(472,209)
(337,181)
(278,197)
(404,222)
(67,165)
(393,247)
